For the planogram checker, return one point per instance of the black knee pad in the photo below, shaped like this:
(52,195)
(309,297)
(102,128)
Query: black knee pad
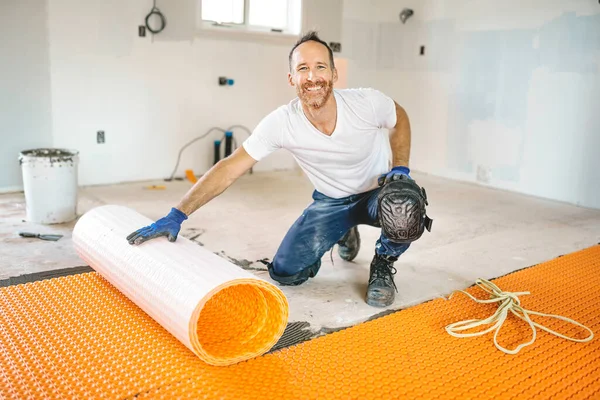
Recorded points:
(401,210)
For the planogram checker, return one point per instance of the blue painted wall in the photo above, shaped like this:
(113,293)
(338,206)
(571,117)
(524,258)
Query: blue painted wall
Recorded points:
(543,83)
(508,99)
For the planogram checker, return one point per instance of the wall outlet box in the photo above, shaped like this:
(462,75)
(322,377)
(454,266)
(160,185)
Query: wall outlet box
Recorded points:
(484,174)
(100,138)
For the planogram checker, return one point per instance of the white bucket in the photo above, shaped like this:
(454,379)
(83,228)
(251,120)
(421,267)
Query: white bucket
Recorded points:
(50,183)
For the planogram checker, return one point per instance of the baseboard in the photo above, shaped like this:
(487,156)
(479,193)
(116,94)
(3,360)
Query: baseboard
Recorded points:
(11,189)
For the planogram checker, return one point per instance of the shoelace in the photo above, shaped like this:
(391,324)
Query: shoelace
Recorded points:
(509,301)
(383,271)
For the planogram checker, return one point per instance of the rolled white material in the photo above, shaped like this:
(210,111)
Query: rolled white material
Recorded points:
(219,311)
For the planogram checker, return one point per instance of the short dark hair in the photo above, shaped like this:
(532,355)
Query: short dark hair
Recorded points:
(311,36)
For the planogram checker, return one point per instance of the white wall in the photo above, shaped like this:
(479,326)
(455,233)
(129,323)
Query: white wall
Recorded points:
(80,67)
(25,107)
(153,95)
(506,94)
(77,67)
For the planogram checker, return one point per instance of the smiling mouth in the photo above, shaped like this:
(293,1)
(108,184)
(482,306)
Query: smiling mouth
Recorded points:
(314,89)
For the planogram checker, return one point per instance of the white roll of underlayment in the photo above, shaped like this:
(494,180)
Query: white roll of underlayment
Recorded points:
(221,312)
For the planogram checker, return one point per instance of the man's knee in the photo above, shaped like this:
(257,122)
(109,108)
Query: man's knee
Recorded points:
(293,279)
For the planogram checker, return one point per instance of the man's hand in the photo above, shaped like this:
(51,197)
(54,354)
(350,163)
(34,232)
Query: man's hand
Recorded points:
(168,226)
(393,175)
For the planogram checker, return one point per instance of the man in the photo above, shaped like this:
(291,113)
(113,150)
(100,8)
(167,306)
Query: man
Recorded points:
(360,172)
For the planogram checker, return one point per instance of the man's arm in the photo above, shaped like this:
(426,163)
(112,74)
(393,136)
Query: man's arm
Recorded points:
(213,183)
(400,138)
(216,180)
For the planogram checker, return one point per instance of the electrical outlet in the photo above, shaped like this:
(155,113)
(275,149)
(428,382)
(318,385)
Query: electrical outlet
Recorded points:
(484,173)
(422,52)
(100,137)
(141,30)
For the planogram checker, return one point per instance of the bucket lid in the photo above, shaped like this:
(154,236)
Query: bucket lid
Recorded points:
(52,154)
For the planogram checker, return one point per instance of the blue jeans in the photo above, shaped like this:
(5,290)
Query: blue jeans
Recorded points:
(319,228)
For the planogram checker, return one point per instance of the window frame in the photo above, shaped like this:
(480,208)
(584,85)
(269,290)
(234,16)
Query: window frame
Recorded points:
(246,31)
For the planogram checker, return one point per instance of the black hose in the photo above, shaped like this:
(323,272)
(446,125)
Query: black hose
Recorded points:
(163,21)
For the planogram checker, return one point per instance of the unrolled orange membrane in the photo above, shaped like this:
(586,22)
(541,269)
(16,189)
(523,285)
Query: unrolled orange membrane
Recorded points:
(219,311)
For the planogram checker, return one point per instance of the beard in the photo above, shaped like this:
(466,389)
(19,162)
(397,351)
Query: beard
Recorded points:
(315,99)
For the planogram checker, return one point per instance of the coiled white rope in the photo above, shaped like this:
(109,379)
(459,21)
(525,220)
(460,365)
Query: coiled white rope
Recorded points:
(509,301)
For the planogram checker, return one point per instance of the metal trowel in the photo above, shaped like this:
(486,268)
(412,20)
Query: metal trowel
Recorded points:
(53,238)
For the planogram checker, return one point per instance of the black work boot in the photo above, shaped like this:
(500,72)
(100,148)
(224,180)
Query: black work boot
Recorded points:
(382,289)
(349,244)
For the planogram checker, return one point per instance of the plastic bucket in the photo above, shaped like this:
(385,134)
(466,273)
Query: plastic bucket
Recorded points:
(50,184)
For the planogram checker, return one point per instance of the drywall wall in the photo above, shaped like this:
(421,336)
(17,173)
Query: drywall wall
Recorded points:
(151,95)
(80,67)
(25,106)
(505,94)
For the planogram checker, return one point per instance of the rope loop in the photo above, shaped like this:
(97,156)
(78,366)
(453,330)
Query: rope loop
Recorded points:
(509,302)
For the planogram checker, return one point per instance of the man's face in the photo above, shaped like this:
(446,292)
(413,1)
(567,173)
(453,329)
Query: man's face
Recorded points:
(311,74)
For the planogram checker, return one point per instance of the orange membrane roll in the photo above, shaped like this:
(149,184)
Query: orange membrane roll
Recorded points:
(219,311)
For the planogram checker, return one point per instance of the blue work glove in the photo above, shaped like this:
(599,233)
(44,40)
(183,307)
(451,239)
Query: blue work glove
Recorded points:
(393,175)
(168,226)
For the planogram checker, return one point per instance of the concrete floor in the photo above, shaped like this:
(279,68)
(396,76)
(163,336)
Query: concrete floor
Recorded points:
(477,232)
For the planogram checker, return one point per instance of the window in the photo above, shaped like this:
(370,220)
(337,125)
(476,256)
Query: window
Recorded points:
(223,11)
(253,15)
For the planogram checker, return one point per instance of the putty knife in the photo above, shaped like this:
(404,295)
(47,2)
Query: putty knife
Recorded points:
(53,238)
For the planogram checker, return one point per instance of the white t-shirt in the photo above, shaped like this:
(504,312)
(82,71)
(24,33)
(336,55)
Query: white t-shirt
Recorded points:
(347,162)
